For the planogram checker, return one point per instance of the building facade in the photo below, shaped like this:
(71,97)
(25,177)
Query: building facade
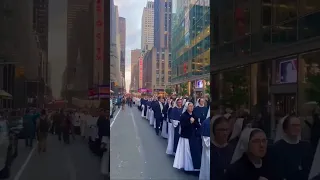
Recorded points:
(147,30)
(155,67)
(122,29)
(23,55)
(191,45)
(162,40)
(135,55)
(271,47)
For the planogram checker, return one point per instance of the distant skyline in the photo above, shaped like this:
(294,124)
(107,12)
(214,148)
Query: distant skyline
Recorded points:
(57,43)
(57,49)
(132,11)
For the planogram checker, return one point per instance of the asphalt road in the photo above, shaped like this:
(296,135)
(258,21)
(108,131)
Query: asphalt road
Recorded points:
(63,162)
(136,151)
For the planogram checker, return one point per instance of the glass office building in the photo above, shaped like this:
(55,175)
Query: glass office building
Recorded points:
(191,43)
(265,55)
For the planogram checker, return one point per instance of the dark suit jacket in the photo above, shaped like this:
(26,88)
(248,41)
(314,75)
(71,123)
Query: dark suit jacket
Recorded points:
(157,111)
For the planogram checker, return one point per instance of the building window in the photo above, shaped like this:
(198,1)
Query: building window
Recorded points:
(165,40)
(162,56)
(283,14)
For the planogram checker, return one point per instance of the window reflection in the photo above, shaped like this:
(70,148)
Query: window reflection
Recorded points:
(284,10)
(266,12)
(214,85)
(226,28)
(309,76)
(309,26)
(242,17)
(285,33)
(308,6)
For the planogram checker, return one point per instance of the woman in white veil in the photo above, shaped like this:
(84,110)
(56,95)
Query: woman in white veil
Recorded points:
(151,113)
(315,169)
(221,151)
(205,156)
(288,148)
(169,149)
(248,159)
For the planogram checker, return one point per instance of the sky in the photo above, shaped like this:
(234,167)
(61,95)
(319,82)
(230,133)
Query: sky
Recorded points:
(132,11)
(57,45)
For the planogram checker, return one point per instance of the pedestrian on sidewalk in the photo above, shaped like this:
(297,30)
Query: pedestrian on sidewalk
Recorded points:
(42,131)
(29,126)
(123,103)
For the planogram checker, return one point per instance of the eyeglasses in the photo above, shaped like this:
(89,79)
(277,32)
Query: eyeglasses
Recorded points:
(259,141)
(222,129)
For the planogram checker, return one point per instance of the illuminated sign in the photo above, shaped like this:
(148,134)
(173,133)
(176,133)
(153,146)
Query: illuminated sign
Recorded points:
(99,33)
(140,68)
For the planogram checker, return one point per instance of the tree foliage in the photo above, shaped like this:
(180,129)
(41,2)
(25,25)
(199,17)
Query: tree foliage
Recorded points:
(236,89)
(184,89)
(207,89)
(313,91)
(168,91)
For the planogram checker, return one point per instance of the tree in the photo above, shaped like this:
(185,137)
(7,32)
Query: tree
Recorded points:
(236,88)
(207,89)
(313,91)
(168,91)
(183,89)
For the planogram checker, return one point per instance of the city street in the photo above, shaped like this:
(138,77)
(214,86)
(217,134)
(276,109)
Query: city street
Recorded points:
(73,162)
(136,151)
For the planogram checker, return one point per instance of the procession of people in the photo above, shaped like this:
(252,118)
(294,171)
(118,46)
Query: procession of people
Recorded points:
(239,143)
(186,127)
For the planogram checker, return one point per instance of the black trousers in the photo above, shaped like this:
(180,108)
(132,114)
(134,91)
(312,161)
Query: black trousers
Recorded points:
(158,125)
(66,136)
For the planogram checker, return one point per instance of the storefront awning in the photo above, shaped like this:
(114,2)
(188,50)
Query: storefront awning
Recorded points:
(5,95)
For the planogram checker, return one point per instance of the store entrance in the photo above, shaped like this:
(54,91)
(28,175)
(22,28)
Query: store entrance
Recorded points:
(285,104)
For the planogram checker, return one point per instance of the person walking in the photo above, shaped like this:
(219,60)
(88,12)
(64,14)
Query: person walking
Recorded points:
(42,131)
(123,102)
(66,128)
(29,126)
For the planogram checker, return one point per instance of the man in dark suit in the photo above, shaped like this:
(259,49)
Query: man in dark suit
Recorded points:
(158,109)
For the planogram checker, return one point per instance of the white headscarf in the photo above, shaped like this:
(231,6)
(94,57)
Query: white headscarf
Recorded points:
(315,170)
(280,134)
(184,102)
(237,128)
(208,113)
(197,103)
(227,115)
(213,119)
(185,107)
(243,144)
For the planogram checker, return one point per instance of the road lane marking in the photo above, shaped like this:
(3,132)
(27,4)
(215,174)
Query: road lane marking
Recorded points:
(139,146)
(71,168)
(114,119)
(18,175)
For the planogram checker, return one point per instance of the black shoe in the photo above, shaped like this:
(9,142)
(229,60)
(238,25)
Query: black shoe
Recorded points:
(4,173)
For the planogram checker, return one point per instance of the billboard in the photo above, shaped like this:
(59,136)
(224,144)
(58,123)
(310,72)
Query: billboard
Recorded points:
(99,31)
(140,72)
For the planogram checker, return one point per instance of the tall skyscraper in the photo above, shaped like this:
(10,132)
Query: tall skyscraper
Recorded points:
(122,31)
(162,24)
(73,8)
(135,55)
(147,30)
(162,44)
